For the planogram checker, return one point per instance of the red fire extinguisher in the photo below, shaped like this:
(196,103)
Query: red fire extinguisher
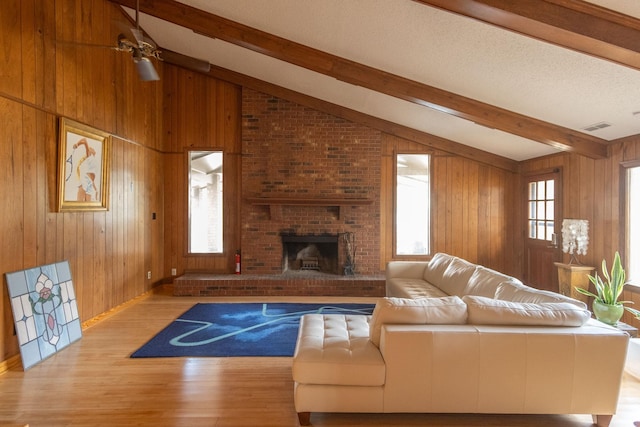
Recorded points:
(237,262)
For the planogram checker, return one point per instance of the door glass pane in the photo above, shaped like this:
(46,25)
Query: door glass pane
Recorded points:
(550,189)
(532,191)
(540,210)
(550,209)
(205,202)
(541,187)
(413,201)
(532,210)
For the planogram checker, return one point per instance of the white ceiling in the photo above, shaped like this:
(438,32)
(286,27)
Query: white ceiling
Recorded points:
(434,47)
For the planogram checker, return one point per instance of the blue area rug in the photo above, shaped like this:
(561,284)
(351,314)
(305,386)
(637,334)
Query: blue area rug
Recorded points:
(238,329)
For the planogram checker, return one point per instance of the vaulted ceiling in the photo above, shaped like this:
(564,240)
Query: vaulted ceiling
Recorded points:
(497,80)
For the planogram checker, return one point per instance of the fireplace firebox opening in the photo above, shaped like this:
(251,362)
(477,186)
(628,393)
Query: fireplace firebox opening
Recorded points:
(310,253)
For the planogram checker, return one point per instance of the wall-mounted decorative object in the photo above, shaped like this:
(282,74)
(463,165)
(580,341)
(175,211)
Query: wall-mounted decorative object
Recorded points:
(45,311)
(83,170)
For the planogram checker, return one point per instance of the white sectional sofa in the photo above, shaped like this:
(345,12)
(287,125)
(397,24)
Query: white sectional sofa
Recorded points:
(454,337)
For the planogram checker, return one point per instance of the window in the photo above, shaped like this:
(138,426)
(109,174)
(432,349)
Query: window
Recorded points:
(541,215)
(633,225)
(205,202)
(412,204)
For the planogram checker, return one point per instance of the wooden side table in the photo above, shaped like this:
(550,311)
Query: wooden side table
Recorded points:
(572,275)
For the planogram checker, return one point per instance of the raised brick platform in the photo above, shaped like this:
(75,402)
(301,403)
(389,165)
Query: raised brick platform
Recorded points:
(203,284)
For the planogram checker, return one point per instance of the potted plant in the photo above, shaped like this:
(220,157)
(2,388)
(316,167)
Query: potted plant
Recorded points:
(606,306)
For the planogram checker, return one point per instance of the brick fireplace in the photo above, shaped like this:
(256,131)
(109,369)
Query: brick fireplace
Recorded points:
(305,172)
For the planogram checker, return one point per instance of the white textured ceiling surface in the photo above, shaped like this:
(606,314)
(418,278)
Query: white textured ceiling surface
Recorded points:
(431,46)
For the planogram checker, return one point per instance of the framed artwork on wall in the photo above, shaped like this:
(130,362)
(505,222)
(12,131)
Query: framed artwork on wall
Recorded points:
(83,167)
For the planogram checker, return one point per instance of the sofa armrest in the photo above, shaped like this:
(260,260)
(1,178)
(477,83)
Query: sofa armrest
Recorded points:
(406,269)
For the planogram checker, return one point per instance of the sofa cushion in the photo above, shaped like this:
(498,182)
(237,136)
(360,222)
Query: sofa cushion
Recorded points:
(412,288)
(488,311)
(484,282)
(435,268)
(456,276)
(335,349)
(423,311)
(517,292)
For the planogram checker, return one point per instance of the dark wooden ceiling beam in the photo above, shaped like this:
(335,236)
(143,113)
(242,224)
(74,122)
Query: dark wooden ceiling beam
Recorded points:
(573,24)
(354,73)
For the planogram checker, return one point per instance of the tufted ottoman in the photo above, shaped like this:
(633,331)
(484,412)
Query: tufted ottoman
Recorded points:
(335,364)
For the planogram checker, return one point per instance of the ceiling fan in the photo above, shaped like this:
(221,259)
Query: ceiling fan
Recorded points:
(143,48)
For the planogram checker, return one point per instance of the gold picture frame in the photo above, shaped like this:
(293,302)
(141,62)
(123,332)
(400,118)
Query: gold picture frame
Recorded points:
(83,167)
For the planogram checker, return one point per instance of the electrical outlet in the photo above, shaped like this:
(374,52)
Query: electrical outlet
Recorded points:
(148,274)
(174,271)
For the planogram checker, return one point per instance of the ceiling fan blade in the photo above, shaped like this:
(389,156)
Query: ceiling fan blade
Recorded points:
(185,61)
(138,36)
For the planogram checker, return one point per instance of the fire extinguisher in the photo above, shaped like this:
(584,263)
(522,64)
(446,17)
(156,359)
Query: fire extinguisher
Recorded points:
(237,262)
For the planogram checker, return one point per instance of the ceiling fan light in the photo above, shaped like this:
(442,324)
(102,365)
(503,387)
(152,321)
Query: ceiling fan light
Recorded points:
(146,70)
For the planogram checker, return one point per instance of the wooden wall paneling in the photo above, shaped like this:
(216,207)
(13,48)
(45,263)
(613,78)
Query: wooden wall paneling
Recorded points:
(11,54)
(484,215)
(43,79)
(230,121)
(45,58)
(470,213)
(438,204)
(87,249)
(130,240)
(615,200)
(119,230)
(186,113)
(515,261)
(111,231)
(169,109)
(155,241)
(202,131)
(174,210)
(496,220)
(454,205)
(42,133)
(29,41)
(10,212)
(143,220)
(67,57)
(387,195)
(29,185)
(200,113)
(97,263)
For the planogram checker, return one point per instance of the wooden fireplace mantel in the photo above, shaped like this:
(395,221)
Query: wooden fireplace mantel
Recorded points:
(275,203)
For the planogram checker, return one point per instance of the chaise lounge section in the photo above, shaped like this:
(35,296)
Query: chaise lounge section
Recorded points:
(454,337)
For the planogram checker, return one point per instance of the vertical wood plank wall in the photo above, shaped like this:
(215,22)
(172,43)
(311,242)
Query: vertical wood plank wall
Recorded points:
(591,190)
(42,80)
(200,113)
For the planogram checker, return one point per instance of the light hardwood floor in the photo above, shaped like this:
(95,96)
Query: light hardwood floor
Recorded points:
(95,383)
